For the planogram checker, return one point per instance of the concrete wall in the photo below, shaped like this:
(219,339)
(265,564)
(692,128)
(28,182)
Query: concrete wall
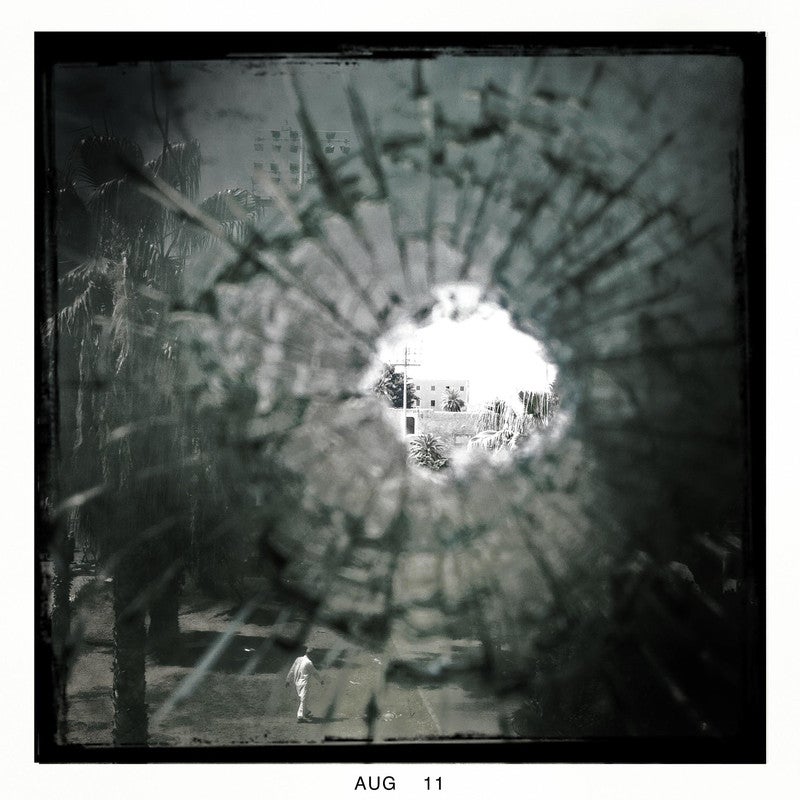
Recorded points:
(453,427)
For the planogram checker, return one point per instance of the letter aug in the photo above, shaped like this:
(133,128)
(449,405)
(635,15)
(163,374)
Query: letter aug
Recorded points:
(377,782)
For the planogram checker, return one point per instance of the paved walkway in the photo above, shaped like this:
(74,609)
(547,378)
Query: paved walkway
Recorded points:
(241,698)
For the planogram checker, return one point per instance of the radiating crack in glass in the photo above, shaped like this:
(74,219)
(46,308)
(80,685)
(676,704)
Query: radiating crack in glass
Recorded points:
(597,210)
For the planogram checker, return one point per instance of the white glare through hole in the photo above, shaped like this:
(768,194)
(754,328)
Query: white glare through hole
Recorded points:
(474,382)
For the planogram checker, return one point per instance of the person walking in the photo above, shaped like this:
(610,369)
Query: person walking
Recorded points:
(302,669)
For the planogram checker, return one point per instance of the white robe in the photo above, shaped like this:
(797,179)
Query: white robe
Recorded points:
(301,671)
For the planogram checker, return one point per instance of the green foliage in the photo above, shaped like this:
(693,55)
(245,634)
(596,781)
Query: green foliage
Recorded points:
(499,417)
(492,440)
(236,210)
(390,386)
(427,450)
(540,405)
(149,400)
(100,160)
(508,425)
(452,400)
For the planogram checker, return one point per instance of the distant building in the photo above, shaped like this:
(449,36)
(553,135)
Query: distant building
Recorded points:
(281,156)
(430,391)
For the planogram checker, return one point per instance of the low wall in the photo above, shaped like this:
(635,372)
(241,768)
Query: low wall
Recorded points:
(454,428)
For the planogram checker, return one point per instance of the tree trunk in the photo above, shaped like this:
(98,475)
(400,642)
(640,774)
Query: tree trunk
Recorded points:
(62,580)
(164,608)
(63,554)
(130,709)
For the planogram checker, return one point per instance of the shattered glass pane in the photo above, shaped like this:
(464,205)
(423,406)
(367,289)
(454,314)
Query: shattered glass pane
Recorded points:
(224,492)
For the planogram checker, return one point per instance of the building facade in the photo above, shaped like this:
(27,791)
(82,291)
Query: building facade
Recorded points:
(431,391)
(281,156)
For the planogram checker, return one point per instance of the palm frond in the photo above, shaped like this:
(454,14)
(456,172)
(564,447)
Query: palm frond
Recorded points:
(66,318)
(146,262)
(492,440)
(498,415)
(85,279)
(179,166)
(236,210)
(539,405)
(452,400)
(427,450)
(231,205)
(101,159)
(93,270)
(73,222)
(121,211)
(121,317)
(121,333)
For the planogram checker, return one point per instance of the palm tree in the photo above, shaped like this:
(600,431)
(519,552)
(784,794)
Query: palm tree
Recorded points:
(540,405)
(125,436)
(500,427)
(390,386)
(500,416)
(128,432)
(452,400)
(427,451)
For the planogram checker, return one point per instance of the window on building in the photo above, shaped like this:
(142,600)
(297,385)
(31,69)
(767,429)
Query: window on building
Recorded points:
(417,387)
(293,167)
(258,146)
(446,387)
(433,388)
(293,148)
(293,134)
(433,403)
(258,165)
(273,166)
(276,134)
(329,148)
(461,388)
(276,147)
